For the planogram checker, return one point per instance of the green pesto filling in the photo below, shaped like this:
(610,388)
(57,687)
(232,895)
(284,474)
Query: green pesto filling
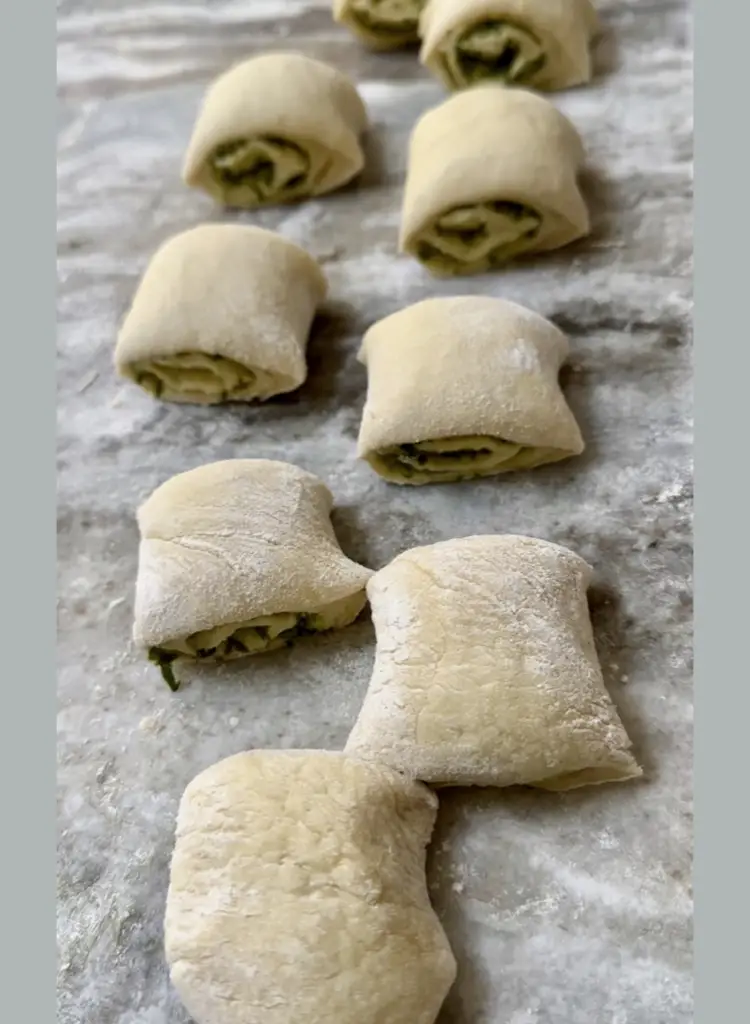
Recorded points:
(163,658)
(247,640)
(468,239)
(459,458)
(494,49)
(271,169)
(398,19)
(197,375)
(256,636)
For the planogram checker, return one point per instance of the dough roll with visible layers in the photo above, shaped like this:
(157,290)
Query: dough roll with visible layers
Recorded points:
(486,672)
(464,387)
(237,558)
(298,895)
(381,24)
(276,129)
(492,175)
(222,314)
(543,44)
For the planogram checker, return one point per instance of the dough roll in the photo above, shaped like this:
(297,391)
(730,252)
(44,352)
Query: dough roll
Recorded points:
(222,314)
(464,387)
(543,44)
(382,24)
(237,558)
(297,894)
(276,129)
(486,672)
(492,175)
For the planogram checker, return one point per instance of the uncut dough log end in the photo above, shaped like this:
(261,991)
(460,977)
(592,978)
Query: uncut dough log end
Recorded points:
(298,894)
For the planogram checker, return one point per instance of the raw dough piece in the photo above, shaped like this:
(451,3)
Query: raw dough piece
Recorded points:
(382,24)
(486,672)
(240,557)
(298,895)
(540,43)
(492,174)
(222,314)
(464,387)
(276,129)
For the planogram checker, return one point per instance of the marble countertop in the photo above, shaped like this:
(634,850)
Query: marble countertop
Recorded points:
(562,909)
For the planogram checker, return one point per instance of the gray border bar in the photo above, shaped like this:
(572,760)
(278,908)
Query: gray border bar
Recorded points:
(722,372)
(28,510)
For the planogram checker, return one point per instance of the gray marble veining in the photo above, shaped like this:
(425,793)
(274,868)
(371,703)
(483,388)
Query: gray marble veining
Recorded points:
(572,909)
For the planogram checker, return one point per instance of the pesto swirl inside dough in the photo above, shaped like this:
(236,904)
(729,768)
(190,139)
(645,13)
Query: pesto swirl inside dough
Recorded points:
(471,239)
(261,170)
(201,378)
(494,50)
(255,636)
(446,460)
(397,21)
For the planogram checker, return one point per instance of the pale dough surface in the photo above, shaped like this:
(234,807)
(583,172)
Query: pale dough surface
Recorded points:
(563,29)
(461,367)
(298,894)
(490,144)
(231,541)
(237,292)
(486,671)
(286,96)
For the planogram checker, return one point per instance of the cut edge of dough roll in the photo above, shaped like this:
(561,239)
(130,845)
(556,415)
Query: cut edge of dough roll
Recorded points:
(237,558)
(275,129)
(540,44)
(259,635)
(486,671)
(452,459)
(492,176)
(222,313)
(463,387)
(381,33)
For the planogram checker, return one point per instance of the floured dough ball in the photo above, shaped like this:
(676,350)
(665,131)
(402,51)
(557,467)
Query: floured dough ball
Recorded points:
(222,314)
(492,175)
(275,129)
(381,24)
(298,895)
(238,558)
(464,387)
(543,44)
(486,672)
